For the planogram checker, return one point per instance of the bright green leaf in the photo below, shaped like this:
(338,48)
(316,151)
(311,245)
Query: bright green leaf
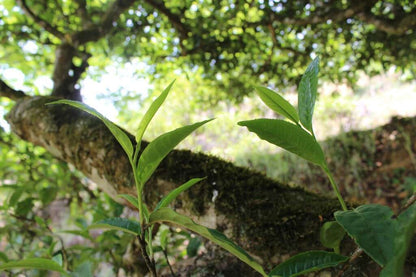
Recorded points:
(33,263)
(117,223)
(288,136)
(119,134)
(83,270)
(131,199)
(154,107)
(307,94)
(406,230)
(331,235)
(157,150)
(307,262)
(170,216)
(278,104)
(372,228)
(174,193)
(58,259)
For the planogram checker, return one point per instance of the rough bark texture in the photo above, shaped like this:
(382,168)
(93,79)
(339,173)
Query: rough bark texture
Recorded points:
(253,210)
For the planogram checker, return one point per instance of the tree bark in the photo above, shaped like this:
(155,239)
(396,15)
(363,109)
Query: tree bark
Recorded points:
(265,217)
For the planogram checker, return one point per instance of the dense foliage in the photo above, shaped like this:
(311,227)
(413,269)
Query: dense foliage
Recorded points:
(229,42)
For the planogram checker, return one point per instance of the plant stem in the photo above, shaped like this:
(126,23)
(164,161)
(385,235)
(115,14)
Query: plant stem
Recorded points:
(149,263)
(335,187)
(165,253)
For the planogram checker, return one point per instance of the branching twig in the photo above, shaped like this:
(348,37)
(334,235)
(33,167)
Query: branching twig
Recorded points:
(6,91)
(106,24)
(165,253)
(44,24)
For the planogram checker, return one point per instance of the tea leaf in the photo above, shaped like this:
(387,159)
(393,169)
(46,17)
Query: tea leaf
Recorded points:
(288,136)
(278,104)
(373,228)
(132,199)
(331,235)
(307,94)
(157,150)
(402,241)
(170,216)
(154,107)
(34,263)
(117,223)
(307,262)
(119,134)
(174,193)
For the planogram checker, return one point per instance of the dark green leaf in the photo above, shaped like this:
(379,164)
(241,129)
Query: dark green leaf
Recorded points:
(168,215)
(193,246)
(157,150)
(372,228)
(288,136)
(278,104)
(307,262)
(33,263)
(119,134)
(174,193)
(406,229)
(331,235)
(117,223)
(307,94)
(151,113)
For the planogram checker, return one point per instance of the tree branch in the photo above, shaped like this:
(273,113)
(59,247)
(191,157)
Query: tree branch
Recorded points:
(173,18)
(252,209)
(321,15)
(395,27)
(6,91)
(44,24)
(105,25)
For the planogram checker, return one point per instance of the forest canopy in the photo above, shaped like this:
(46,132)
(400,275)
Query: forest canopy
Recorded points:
(233,44)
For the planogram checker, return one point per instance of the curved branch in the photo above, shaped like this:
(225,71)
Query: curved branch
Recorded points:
(105,25)
(44,24)
(173,18)
(6,91)
(394,27)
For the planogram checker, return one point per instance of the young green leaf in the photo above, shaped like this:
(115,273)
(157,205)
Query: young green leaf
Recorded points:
(154,107)
(278,104)
(373,228)
(307,94)
(331,235)
(157,150)
(131,199)
(174,193)
(117,223)
(119,134)
(170,216)
(307,262)
(164,238)
(288,136)
(402,241)
(34,263)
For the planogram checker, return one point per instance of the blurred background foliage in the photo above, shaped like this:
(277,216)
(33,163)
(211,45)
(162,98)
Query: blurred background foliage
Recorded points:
(217,51)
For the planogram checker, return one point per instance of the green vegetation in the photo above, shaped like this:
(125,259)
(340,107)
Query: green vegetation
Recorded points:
(53,209)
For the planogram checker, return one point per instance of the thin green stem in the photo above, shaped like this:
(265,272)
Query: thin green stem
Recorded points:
(335,187)
(133,163)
